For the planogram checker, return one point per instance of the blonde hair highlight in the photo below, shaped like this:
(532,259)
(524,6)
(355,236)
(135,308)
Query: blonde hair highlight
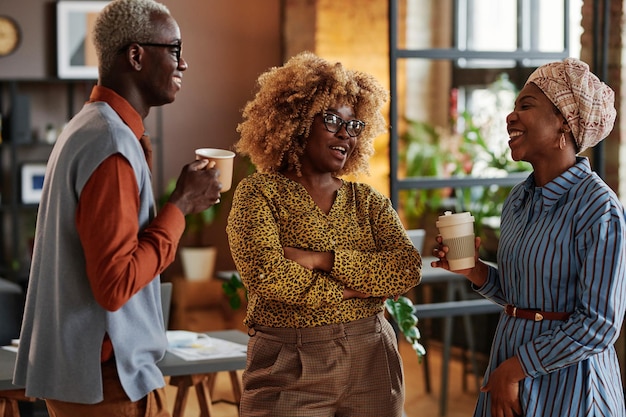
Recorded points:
(120,23)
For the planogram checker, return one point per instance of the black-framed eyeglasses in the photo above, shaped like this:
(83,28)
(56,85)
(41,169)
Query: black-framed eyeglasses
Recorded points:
(177,48)
(333,124)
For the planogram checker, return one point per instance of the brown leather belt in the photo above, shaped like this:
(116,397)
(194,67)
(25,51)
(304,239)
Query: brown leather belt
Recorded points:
(534,315)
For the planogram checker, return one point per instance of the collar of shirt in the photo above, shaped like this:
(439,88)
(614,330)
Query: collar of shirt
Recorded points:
(552,192)
(121,106)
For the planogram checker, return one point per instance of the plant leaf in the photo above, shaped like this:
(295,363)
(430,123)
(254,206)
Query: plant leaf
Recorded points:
(401,310)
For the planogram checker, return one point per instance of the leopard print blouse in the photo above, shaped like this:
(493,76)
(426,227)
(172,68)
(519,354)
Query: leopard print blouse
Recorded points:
(372,252)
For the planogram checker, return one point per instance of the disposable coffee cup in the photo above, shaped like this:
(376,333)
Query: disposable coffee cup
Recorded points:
(457,233)
(223,161)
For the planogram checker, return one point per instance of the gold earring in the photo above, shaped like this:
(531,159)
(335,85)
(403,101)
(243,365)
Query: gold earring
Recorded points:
(563,142)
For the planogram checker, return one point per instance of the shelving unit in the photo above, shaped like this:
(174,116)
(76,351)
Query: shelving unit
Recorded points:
(53,102)
(18,218)
(34,104)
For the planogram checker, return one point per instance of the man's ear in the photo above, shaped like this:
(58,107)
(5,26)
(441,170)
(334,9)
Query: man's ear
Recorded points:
(134,55)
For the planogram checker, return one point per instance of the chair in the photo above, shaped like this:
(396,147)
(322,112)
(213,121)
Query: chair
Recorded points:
(417,237)
(166,302)
(462,306)
(11,310)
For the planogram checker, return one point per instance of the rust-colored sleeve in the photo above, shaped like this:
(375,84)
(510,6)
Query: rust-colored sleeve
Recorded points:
(120,260)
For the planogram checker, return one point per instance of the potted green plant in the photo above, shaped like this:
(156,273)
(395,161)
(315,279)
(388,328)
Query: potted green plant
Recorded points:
(196,254)
(235,291)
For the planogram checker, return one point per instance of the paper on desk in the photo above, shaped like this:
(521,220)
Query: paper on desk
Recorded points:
(10,348)
(206,347)
(13,346)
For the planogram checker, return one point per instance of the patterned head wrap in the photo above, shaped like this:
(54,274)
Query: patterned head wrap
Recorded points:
(584,100)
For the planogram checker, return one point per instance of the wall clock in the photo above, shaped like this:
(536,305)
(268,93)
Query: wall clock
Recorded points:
(9,35)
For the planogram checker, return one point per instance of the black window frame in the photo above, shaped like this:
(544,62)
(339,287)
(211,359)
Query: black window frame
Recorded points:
(524,55)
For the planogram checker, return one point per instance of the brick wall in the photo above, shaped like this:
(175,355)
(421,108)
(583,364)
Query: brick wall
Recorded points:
(354,32)
(613,145)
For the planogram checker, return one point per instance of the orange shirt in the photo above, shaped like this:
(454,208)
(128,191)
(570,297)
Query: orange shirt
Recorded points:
(120,259)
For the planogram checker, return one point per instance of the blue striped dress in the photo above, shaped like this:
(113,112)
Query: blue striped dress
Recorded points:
(562,249)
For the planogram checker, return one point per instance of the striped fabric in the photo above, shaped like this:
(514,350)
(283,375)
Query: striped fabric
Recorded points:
(562,249)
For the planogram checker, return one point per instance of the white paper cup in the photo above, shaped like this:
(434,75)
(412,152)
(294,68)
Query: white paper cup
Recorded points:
(457,233)
(223,161)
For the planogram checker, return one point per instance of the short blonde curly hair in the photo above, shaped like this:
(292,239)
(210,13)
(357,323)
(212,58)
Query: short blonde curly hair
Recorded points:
(277,122)
(120,23)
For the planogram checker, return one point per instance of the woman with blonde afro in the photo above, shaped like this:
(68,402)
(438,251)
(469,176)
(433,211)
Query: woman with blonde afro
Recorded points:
(318,254)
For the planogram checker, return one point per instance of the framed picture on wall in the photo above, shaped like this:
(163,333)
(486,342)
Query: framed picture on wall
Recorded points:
(76,55)
(31,175)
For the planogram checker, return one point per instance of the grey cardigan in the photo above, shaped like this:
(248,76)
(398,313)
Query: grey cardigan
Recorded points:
(63,326)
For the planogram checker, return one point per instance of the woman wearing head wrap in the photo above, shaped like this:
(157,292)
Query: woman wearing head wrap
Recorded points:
(318,254)
(561,261)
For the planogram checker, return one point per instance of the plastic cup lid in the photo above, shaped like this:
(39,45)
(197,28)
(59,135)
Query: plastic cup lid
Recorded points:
(452,219)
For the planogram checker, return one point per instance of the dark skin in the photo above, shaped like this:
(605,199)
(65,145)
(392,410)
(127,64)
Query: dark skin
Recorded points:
(320,160)
(540,135)
(151,76)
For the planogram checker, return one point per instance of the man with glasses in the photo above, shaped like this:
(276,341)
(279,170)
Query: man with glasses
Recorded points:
(93,327)
(175,48)
(317,253)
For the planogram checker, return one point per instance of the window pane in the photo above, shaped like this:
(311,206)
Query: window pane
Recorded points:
(489,107)
(428,24)
(575,27)
(492,25)
(487,25)
(551,27)
(426,84)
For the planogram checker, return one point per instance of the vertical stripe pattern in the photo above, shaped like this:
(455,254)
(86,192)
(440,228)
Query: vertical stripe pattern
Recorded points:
(562,249)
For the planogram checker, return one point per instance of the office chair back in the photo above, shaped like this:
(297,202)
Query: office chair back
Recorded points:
(417,237)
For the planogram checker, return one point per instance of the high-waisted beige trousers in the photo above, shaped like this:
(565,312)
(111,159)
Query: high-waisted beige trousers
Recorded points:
(339,370)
